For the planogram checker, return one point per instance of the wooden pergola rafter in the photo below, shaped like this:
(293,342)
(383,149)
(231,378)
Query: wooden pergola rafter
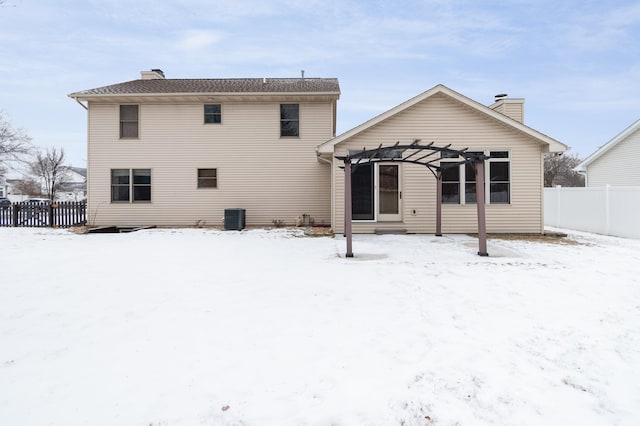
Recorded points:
(426,156)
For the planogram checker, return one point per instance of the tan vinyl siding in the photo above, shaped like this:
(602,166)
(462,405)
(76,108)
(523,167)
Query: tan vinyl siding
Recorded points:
(618,166)
(513,108)
(269,176)
(445,121)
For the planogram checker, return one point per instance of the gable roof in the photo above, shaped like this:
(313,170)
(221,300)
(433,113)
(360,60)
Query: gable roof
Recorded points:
(163,86)
(554,145)
(606,147)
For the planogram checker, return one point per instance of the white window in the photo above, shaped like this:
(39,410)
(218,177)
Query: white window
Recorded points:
(459,181)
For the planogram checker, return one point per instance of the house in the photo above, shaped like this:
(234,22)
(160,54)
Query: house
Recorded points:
(402,196)
(3,187)
(181,151)
(13,190)
(616,162)
(74,187)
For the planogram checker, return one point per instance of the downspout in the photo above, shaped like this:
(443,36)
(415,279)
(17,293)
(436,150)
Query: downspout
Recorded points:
(81,104)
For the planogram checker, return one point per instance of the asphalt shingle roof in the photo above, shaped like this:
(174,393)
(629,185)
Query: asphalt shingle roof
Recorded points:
(213,85)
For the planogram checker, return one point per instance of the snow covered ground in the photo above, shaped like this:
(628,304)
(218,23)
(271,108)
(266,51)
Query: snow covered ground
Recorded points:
(267,327)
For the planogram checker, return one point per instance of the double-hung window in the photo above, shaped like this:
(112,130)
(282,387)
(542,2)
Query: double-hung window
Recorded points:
(499,178)
(212,114)
(289,120)
(130,185)
(459,181)
(129,121)
(450,178)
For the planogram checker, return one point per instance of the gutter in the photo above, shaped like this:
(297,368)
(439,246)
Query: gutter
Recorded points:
(320,158)
(79,103)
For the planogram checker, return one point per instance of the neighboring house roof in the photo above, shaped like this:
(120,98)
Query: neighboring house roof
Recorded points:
(163,86)
(582,167)
(79,170)
(73,186)
(554,145)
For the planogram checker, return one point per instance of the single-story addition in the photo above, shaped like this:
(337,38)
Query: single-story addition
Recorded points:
(400,196)
(616,162)
(182,151)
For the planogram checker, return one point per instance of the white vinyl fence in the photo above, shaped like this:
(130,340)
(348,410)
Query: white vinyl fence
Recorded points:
(608,210)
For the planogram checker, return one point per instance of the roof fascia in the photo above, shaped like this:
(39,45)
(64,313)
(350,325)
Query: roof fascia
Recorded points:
(87,97)
(582,167)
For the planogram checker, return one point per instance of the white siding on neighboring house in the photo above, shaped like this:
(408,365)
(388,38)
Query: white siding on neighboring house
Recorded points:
(619,166)
(273,178)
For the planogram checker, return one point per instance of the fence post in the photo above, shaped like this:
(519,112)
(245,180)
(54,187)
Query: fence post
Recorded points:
(50,214)
(558,211)
(607,209)
(15,215)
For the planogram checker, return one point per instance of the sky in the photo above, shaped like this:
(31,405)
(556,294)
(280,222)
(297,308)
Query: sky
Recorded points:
(576,63)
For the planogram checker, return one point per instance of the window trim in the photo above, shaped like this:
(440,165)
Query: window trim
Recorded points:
(199,178)
(212,114)
(462,184)
(131,185)
(488,180)
(459,182)
(139,185)
(121,122)
(283,120)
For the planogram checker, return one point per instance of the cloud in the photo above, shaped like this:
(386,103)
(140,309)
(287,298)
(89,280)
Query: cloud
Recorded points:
(193,41)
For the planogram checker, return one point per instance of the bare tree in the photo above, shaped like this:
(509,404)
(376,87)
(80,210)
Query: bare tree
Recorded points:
(558,170)
(51,169)
(15,144)
(29,187)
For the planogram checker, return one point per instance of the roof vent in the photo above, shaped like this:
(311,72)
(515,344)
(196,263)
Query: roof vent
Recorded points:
(302,74)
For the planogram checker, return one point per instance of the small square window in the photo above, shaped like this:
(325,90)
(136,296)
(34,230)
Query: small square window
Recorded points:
(213,114)
(207,178)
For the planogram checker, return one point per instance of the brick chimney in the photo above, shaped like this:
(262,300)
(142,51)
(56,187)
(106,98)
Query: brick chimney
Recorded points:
(511,107)
(154,74)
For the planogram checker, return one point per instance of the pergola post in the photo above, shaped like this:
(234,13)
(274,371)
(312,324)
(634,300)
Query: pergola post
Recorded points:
(439,203)
(347,207)
(480,202)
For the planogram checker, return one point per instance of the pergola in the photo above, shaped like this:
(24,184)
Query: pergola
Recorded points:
(422,155)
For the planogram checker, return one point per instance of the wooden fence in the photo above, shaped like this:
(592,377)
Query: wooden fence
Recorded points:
(64,214)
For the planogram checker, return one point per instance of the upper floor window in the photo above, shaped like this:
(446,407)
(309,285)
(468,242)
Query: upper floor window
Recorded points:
(128,121)
(213,114)
(289,120)
(130,185)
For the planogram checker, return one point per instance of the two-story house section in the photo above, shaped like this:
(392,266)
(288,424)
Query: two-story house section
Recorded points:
(180,151)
